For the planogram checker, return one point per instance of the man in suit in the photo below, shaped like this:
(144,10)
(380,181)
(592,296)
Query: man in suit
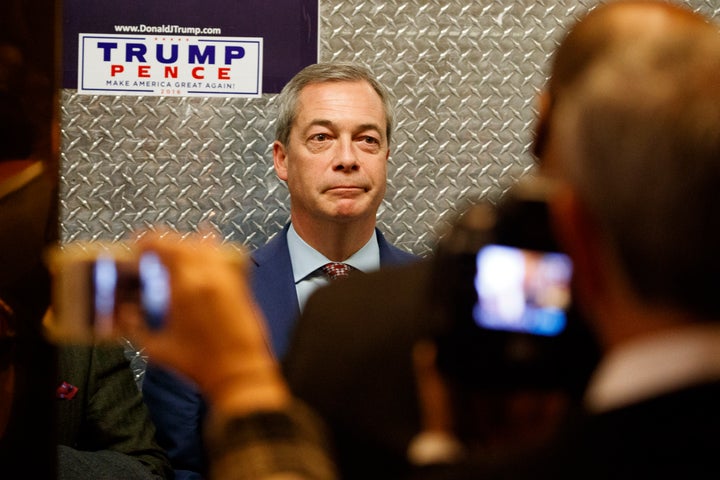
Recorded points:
(628,137)
(332,146)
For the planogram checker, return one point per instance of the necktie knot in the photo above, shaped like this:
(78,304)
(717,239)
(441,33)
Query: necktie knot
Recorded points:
(336,270)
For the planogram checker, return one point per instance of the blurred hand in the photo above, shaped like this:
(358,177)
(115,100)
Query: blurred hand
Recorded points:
(214,333)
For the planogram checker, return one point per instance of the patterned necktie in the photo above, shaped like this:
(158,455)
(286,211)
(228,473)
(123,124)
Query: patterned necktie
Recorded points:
(335,270)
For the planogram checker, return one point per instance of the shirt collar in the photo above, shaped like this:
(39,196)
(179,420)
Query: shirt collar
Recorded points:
(655,365)
(306,260)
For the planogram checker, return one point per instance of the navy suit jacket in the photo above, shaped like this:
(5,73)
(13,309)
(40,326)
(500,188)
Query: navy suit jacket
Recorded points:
(177,406)
(273,284)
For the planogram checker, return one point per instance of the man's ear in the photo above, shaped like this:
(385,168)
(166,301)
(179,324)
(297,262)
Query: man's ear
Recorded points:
(579,234)
(280,160)
(541,125)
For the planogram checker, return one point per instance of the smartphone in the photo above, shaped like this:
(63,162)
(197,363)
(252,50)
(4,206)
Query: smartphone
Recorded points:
(93,283)
(141,283)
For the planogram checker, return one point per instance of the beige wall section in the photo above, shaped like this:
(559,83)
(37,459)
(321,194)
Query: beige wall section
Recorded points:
(464,75)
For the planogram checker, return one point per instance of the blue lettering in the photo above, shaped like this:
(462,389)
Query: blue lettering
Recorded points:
(137,50)
(106,48)
(232,53)
(197,56)
(173,54)
(170,53)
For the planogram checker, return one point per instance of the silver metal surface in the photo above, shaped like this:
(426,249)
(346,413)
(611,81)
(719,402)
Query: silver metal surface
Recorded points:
(464,75)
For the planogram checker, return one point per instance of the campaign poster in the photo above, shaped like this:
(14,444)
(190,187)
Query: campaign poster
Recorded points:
(229,48)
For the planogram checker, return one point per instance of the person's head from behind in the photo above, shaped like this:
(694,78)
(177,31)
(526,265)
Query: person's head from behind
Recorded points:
(633,135)
(332,142)
(630,140)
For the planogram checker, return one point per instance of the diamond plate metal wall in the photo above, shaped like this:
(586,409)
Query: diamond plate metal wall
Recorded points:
(464,76)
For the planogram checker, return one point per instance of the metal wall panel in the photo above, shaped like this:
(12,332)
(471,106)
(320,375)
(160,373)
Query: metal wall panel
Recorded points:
(464,75)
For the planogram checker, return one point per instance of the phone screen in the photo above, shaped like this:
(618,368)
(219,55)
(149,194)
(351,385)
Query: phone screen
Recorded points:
(144,284)
(155,289)
(522,290)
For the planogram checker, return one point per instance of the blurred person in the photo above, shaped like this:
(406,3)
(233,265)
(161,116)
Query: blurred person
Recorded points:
(26,215)
(633,90)
(103,426)
(332,145)
(75,410)
(633,100)
(351,361)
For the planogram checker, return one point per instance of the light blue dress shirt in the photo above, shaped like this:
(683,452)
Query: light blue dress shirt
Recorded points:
(306,261)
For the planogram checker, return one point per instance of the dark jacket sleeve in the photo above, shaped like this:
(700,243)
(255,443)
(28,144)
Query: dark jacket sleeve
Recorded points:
(104,427)
(178,411)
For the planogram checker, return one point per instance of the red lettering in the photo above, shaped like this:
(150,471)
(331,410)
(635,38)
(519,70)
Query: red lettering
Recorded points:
(198,73)
(171,72)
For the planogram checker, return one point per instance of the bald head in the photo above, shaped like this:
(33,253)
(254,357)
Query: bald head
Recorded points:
(622,29)
(634,127)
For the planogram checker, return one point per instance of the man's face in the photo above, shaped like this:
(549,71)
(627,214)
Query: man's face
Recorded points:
(335,162)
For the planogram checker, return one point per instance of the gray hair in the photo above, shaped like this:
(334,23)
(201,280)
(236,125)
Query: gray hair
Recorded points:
(639,137)
(320,73)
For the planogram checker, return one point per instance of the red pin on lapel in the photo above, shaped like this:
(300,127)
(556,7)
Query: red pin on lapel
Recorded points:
(66,391)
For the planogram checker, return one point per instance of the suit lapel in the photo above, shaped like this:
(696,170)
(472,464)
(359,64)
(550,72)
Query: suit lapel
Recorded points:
(273,285)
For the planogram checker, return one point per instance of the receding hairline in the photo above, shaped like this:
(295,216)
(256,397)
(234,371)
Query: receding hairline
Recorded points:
(365,126)
(330,72)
